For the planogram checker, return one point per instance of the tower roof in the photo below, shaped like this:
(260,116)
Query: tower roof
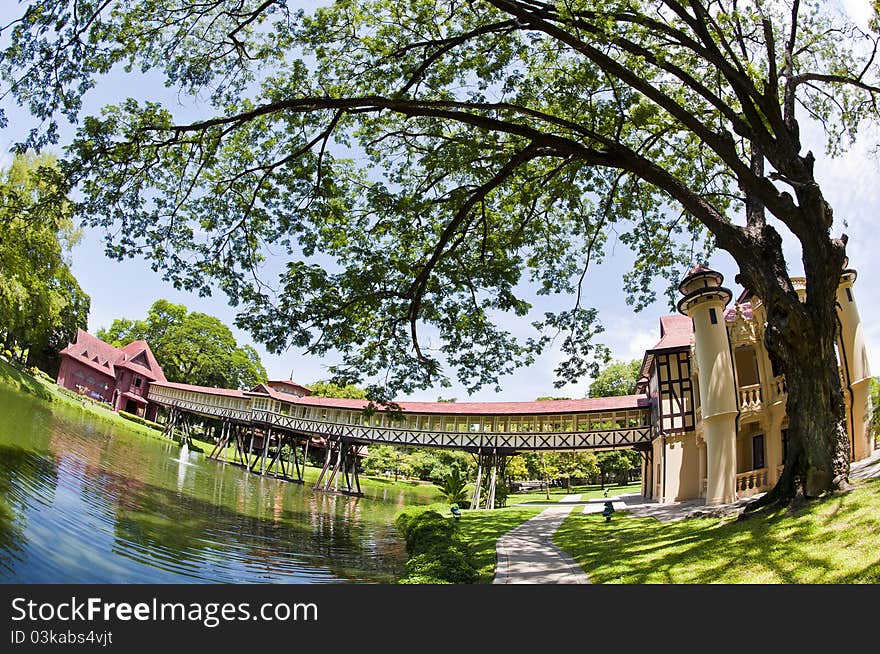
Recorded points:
(698,272)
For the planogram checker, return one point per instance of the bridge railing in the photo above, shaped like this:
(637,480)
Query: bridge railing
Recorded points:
(554,432)
(464,440)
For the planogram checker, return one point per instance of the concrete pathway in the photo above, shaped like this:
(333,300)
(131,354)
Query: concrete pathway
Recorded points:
(527,555)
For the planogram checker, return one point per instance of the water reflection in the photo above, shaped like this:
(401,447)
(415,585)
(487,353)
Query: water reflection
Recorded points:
(81,502)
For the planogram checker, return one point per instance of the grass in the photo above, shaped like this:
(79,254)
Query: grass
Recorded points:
(830,541)
(589,492)
(50,392)
(480,530)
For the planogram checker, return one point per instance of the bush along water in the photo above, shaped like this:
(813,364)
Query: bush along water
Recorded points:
(437,554)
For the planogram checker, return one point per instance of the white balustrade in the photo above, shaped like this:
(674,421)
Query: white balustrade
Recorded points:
(751,482)
(780,390)
(750,398)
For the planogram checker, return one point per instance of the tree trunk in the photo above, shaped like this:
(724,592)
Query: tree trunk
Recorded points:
(802,338)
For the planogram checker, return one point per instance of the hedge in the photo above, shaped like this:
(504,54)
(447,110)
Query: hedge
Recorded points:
(437,553)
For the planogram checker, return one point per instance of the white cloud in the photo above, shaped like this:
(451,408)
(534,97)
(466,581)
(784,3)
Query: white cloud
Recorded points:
(859,11)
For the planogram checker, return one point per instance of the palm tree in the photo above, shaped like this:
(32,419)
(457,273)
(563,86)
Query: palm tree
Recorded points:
(453,486)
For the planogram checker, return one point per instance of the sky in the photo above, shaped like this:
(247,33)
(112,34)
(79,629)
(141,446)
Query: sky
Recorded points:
(850,183)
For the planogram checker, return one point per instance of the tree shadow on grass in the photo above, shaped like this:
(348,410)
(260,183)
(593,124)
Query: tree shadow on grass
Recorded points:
(830,541)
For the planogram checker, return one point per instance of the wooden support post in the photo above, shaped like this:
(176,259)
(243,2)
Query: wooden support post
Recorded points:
(250,449)
(277,460)
(317,485)
(302,475)
(238,452)
(267,436)
(475,501)
(346,464)
(336,465)
(279,457)
(168,432)
(357,480)
(220,447)
(294,468)
(490,499)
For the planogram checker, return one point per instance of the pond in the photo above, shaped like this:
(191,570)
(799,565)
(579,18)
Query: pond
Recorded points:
(82,501)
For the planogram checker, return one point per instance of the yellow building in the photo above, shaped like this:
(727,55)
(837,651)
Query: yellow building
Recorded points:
(718,404)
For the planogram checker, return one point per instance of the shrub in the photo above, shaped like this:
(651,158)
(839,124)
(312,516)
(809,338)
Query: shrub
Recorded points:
(426,531)
(449,564)
(436,552)
(36,372)
(420,579)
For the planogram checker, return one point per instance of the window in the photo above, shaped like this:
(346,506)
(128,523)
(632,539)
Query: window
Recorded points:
(758,452)
(849,294)
(713,317)
(137,382)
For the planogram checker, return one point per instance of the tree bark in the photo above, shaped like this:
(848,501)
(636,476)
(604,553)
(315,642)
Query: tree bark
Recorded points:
(801,336)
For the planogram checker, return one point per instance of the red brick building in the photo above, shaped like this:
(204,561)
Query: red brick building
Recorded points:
(119,376)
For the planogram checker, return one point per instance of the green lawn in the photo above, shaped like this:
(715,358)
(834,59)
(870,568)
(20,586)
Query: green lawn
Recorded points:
(590,492)
(835,540)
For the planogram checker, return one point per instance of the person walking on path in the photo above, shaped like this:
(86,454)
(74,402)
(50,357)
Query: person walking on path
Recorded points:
(527,555)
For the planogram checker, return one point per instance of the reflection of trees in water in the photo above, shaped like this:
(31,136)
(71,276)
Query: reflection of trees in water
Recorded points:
(291,542)
(225,516)
(25,478)
(219,518)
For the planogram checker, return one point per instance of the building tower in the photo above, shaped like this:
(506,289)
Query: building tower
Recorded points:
(856,376)
(704,302)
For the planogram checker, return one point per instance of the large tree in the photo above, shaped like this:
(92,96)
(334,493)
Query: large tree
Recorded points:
(41,303)
(191,347)
(435,153)
(618,378)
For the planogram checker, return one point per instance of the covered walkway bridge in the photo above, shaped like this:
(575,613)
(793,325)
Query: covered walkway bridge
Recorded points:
(277,424)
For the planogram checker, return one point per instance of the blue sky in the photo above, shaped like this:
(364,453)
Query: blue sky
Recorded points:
(851,184)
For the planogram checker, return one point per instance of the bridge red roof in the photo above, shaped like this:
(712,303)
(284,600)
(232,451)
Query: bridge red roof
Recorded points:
(585,405)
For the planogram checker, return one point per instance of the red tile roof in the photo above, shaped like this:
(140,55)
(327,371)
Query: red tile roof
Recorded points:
(675,332)
(153,371)
(744,307)
(105,358)
(92,351)
(292,385)
(492,408)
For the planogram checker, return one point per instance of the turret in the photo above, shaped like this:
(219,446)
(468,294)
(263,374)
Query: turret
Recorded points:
(855,367)
(704,302)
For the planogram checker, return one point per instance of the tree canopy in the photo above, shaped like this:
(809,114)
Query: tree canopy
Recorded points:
(325,388)
(191,347)
(41,303)
(437,154)
(618,378)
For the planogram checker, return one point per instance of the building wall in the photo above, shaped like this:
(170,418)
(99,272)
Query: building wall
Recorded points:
(72,373)
(682,467)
